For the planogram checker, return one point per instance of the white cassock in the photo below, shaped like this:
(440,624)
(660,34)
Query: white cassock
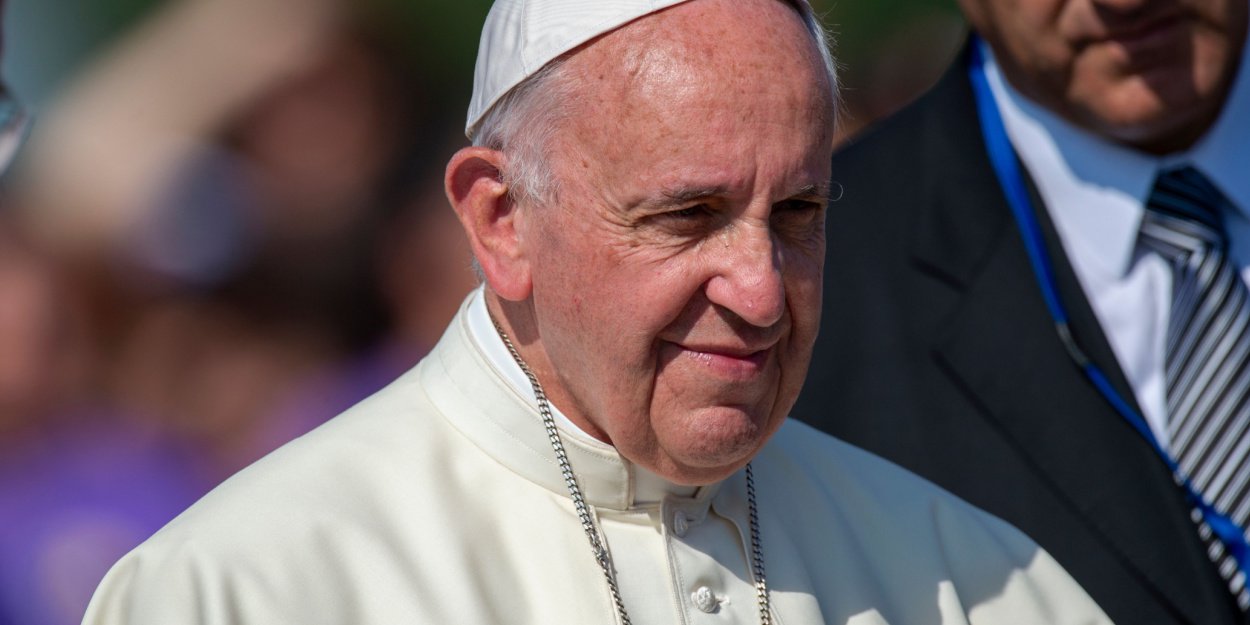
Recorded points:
(438,500)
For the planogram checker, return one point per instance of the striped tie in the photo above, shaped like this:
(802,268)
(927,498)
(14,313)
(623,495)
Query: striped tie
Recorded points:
(1208,350)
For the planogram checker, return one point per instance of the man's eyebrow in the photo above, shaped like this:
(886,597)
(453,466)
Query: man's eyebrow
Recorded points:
(678,195)
(681,195)
(822,191)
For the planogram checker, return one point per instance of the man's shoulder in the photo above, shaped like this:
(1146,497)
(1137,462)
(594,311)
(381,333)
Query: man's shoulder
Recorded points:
(853,474)
(842,481)
(917,132)
(330,473)
(896,532)
(326,510)
(890,177)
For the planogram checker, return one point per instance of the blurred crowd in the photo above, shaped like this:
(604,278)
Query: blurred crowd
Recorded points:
(209,248)
(228,228)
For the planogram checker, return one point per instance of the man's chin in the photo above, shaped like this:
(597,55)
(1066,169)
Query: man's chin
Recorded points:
(1158,112)
(690,475)
(718,447)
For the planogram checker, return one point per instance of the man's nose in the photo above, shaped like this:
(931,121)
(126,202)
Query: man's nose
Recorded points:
(748,281)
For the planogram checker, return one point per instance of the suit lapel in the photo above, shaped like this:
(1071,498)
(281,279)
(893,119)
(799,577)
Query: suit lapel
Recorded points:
(999,345)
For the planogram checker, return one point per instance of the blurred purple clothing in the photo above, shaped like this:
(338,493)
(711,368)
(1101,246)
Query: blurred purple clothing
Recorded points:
(336,389)
(75,500)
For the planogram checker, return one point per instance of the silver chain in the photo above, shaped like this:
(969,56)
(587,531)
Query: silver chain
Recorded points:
(588,523)
(757,552)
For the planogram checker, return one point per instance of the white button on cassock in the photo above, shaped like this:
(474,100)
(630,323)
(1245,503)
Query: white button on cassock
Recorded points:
(704,599)
(681,523)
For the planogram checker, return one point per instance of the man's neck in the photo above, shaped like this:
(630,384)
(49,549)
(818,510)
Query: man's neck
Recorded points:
(647,486)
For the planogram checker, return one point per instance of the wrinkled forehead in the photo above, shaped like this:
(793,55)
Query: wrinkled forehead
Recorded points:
(696,99)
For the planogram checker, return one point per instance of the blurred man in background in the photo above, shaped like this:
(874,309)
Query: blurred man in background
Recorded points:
(1039,271)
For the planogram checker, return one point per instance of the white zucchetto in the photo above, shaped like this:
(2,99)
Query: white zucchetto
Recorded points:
(522,36)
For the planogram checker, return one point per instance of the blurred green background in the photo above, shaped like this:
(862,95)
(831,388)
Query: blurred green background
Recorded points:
(889,49)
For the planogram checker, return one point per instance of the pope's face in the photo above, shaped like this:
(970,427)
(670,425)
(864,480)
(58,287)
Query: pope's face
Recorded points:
(677,274)
(1151,73)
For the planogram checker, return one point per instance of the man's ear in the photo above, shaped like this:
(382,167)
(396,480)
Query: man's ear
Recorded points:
(476,190)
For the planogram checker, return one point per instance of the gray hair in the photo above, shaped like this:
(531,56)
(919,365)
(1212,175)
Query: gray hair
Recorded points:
(521,125)
(522,122)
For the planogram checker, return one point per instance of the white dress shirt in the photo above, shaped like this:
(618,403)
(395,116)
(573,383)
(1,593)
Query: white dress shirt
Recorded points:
(1096,193)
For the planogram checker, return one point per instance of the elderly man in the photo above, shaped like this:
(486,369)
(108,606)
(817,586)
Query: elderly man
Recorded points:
(599,437)
(1038,307)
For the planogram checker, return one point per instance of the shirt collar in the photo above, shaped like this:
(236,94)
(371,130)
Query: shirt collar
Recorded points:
(1221,153)
(647,486)
(1096,190)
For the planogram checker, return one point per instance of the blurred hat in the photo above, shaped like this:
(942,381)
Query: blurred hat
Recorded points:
(522,36)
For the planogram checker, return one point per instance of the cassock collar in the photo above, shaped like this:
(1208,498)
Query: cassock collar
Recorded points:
(499,412)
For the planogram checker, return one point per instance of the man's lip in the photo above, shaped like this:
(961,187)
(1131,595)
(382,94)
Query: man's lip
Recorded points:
(740,353)
(730,362)
(1145,32)
(755,356)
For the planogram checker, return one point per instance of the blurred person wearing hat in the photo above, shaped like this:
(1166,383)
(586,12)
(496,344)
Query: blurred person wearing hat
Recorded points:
(601,436)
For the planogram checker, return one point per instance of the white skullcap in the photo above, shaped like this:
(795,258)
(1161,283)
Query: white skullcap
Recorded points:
(522,36)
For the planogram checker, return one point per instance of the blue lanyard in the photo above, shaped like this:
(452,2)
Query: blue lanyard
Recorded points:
(1007,169)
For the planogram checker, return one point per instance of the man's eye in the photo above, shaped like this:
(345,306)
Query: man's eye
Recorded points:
(690,212)
(798,217)
(797,206)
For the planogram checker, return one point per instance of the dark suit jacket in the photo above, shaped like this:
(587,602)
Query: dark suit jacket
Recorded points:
(937,352)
